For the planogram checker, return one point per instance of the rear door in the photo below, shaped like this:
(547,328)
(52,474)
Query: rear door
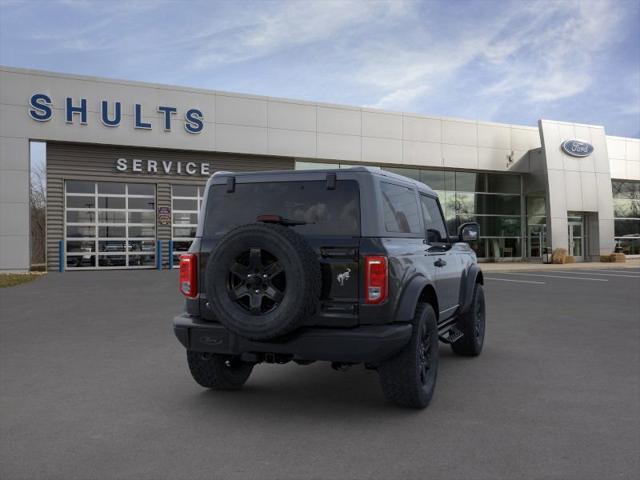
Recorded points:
(446,265)
(328,219)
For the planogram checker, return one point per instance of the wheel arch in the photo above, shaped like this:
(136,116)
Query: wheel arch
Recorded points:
(428,295)
(469,279)
(418,290)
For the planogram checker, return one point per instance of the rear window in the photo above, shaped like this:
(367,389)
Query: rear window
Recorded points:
(400,209)
(326,212)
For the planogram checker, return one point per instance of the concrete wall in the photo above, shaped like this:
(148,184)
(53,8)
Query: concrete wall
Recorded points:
(624,157)
(14,202)
(260,125)
(577,184)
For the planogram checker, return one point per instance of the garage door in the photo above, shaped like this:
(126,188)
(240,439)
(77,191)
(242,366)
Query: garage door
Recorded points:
(186,201)
(109,225)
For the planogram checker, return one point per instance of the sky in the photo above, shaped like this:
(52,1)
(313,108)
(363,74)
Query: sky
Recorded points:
(502,61)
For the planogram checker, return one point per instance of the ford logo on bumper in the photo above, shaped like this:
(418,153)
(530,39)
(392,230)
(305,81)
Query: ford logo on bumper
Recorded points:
(577,148)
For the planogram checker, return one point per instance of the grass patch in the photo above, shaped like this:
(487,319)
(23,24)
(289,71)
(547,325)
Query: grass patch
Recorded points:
(13,279)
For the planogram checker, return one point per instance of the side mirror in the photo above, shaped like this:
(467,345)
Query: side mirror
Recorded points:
(433,236)
(469,232)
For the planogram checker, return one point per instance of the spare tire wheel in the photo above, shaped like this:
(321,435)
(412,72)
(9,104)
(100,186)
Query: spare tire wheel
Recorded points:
(262,280)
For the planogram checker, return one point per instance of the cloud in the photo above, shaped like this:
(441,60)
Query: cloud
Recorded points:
(265,31)
(541,52)
(403,75)
(401,96)
(552,57)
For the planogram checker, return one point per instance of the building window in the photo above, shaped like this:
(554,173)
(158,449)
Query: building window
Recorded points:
(186,201)
(536,225)
(109,225)
(494,200)
(626,212)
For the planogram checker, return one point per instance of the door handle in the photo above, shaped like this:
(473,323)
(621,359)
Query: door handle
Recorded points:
(440,263)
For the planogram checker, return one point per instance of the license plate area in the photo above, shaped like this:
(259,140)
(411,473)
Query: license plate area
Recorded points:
(212,339)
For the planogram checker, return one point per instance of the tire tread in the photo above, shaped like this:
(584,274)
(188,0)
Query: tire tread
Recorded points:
(398,375)
(466,345)
(308,289)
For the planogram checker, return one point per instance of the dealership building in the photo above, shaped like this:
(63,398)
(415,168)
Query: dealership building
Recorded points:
(126,163)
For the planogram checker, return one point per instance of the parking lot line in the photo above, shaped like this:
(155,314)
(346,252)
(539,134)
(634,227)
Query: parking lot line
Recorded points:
(626,270)
(603,274)
(515,281)
(554,276)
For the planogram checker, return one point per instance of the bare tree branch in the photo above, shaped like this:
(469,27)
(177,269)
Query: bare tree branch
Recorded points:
(37,207)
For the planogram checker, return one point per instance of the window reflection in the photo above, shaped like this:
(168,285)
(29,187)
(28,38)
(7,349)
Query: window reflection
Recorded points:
(111,202)
(494,200)
(626,205)
(81,202)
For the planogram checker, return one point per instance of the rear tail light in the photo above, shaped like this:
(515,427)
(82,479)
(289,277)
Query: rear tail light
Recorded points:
(376,279)
(189,275)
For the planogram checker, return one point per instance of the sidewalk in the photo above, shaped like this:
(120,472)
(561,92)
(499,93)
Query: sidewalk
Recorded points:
(527,267)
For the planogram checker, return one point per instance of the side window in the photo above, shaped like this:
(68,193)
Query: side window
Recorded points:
(400,209)
(433,222)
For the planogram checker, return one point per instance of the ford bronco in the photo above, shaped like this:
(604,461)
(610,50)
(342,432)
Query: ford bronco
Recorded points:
(348,266)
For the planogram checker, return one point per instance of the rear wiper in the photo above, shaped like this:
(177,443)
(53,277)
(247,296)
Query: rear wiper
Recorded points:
(280,220)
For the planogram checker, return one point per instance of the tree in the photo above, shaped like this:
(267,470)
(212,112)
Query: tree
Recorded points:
(37,207)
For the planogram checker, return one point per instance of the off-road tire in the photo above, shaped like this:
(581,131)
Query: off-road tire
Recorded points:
(472,325)
(402,377)
(300,266)
(218,372)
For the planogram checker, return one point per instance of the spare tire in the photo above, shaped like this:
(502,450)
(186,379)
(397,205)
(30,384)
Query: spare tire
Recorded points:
(262,280)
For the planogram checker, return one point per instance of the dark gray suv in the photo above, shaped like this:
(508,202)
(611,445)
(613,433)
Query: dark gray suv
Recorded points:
(348,266)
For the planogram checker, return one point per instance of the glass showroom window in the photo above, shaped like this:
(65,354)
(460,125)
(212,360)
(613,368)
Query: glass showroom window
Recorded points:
(109,225)
(626,210)
(492,200)
(536,225)
(186,201)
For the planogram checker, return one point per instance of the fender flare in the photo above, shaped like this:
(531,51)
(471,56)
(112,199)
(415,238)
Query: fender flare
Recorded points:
(471,276)
(409,299)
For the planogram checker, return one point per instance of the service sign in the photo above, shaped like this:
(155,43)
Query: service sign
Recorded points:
(577,148)
(163,167)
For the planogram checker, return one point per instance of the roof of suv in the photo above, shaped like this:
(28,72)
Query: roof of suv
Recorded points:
(357,170)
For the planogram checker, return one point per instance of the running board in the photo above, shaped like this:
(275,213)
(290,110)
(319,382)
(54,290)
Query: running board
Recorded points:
(451,336)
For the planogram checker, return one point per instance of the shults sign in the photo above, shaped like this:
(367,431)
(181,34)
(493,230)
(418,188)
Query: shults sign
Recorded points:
(41,109)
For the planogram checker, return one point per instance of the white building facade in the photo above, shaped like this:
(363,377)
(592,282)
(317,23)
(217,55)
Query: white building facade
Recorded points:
(126,163)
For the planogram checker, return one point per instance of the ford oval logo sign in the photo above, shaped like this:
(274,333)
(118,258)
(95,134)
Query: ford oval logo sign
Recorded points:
(577,148)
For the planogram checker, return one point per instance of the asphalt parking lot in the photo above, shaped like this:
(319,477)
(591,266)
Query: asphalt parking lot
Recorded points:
(94,385)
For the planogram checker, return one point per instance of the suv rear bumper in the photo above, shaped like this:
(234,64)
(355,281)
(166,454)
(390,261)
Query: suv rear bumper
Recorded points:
(354,345)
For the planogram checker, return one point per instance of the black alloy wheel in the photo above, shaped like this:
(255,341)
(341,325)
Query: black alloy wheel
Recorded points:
(409,378)
(472,325)
(257,281)
(262,281)
(424,357)
(479,320)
